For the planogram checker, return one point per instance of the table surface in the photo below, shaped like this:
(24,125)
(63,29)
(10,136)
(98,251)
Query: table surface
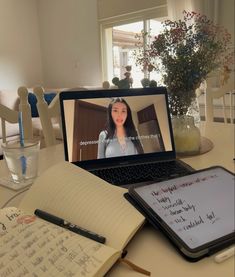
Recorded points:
(149,248)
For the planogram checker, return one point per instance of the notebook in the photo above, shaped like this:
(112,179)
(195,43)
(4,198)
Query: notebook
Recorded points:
(33,246)
(94,139)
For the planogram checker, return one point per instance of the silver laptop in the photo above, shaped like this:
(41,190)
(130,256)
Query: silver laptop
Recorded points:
(124,136)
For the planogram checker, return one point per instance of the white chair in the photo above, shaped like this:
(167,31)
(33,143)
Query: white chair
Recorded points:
(46,114)
(12,116)
(25,108)
(223,91)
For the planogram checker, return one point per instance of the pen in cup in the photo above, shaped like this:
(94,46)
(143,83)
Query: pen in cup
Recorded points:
(68,225)
(22,158)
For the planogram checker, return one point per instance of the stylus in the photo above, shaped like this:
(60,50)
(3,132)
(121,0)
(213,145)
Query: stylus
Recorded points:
(225,255)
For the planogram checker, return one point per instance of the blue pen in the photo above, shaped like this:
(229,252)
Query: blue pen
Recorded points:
(22,158)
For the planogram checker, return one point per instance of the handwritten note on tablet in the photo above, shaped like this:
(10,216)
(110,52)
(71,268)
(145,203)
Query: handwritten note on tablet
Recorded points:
(199,208)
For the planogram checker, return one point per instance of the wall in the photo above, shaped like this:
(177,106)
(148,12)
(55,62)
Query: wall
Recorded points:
(20,57)
(111,8)
(70,42)
(68,46)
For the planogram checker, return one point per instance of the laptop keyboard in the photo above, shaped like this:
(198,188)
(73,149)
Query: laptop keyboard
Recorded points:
(142,172)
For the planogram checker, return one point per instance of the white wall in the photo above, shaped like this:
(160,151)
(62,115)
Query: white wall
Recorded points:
(112,8)
(61,35)
(20,57)
(70,42)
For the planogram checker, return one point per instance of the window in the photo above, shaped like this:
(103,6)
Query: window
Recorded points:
(119,45)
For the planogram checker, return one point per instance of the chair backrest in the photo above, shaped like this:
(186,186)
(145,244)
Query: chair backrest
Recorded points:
(224,91)
(47,113)
(25,108)
(12,116)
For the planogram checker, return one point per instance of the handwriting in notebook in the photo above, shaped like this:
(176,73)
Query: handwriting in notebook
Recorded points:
(45,247)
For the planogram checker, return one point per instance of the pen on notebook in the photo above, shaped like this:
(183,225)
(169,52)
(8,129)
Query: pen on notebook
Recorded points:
(67,225)
(228,253)
(22,158)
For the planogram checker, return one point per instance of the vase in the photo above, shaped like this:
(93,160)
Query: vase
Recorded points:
(186,135)
(194,111)
(184,103)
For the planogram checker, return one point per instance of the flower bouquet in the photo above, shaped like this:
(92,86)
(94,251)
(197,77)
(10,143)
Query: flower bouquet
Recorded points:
(185,52)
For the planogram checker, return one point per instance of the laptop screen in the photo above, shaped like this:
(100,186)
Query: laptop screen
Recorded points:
(115,125)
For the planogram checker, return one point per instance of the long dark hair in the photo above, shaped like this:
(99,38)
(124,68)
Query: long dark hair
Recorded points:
(128,125)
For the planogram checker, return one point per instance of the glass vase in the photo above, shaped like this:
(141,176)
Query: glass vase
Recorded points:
(186,135)
(194,111)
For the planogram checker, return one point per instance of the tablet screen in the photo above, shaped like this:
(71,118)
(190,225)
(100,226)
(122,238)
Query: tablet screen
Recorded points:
(199,208)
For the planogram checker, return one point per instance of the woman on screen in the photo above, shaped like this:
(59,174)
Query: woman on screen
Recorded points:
(120,137)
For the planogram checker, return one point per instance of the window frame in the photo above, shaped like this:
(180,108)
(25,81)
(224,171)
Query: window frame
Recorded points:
(107,24)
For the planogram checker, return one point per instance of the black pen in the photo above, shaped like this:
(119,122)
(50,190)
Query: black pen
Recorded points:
(67,225)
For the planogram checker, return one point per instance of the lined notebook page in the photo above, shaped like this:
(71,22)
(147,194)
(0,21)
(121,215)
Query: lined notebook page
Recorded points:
(30,246)
(74,194)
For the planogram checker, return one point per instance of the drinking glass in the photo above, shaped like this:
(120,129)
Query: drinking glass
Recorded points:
(22,160)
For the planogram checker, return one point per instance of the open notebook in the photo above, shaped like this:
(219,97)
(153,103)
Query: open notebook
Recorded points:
(30,245)
(148,152)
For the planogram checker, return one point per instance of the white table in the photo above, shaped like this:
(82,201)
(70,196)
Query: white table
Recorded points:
(149,248)
(223,137)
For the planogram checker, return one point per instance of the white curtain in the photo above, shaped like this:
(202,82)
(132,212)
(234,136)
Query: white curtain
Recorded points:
(208,7)
(175,8)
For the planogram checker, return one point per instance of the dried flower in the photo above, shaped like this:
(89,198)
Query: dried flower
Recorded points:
(185,52)
(128,67)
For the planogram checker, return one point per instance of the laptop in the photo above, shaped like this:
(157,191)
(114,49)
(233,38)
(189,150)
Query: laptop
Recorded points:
(94,140)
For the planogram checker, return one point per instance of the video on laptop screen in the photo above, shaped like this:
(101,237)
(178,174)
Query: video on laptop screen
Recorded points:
(103,128)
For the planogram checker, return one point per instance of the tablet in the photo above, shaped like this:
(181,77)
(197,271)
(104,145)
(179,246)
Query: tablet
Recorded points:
(196,211)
